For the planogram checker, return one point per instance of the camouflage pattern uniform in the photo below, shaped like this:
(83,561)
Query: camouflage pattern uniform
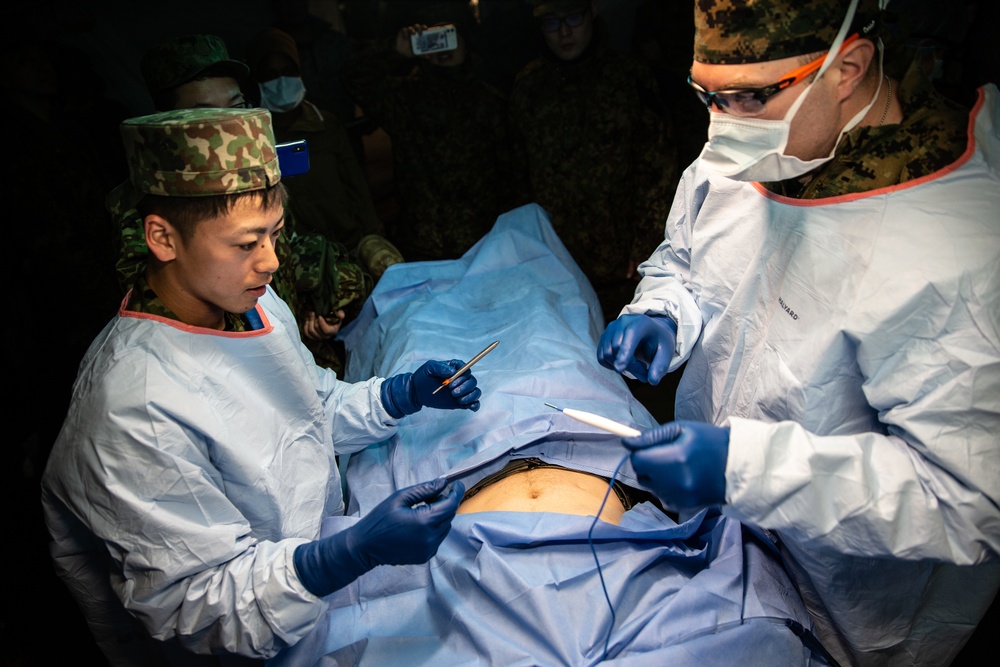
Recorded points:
(933,134)
(189,153)
(130,240)
(934,131)
(312,275)
(182,59)
(596,141)
(449,133)
(322,279)
(337,282)
(213,152)
(333,197)
(232,153)
(736,32)
(330,206)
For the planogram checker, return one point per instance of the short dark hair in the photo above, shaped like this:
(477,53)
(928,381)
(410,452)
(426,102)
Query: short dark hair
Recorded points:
(185,213)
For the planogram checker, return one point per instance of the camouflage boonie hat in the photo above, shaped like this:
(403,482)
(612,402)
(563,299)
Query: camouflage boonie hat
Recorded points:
(181,59)
(201,152)
(557,6)
(734,32)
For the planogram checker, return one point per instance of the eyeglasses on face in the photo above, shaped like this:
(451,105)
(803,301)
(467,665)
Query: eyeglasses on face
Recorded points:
(752,101)
(553,23)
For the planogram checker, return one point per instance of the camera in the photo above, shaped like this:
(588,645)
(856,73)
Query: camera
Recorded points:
(435,40)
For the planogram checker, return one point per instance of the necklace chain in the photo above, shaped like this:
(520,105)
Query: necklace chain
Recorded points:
(888,101)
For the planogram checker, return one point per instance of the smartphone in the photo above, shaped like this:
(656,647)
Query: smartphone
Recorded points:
(293,157)
(435,40)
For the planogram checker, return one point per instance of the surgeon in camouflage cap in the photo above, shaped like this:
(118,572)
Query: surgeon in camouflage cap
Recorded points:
(201,152)
(735,32)
(806,170)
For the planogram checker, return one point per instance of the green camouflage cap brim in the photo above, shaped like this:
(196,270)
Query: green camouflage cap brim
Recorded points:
(734,32)
(543,7)
(182,59)
(201,152)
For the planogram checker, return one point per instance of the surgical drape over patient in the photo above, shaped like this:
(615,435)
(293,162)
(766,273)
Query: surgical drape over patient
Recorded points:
(511,588)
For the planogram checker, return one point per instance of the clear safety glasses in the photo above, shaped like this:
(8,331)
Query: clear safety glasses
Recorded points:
(751,101)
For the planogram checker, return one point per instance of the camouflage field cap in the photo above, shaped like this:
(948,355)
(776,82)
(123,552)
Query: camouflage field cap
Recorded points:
(181,59)
(201,152)
(543,7)
(732,32)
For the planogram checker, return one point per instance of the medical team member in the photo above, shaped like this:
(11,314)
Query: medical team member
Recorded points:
(196,464)
(831,275)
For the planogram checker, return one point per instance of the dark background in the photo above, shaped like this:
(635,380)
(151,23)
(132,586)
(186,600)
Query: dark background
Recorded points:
(40,624)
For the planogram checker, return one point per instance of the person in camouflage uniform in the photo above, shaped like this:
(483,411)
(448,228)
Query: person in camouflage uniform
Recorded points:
(186,491)
(332,198)
(448,127)
(829,280)
(592,133)
(319,280)
(921,132)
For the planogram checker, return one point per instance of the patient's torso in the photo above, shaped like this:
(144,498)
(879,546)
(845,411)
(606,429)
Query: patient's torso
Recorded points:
(546,490)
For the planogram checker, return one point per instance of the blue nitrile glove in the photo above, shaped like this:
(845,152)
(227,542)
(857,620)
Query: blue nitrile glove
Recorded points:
(682,462)
(407,527)
(406,393)
(643,345)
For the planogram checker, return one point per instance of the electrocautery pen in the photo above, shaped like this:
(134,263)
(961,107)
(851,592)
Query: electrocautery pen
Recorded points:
(489,348)
(598,421)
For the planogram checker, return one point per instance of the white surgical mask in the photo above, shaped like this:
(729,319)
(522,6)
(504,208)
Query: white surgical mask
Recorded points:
(752,149)
(282,94)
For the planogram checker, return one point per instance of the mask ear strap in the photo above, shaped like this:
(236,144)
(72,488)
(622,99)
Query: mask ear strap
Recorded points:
(830,57)
(881,77)
(858,117)
(841,36)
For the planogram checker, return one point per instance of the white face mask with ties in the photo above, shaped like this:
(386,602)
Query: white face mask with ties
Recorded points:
(752,149)
(282,94)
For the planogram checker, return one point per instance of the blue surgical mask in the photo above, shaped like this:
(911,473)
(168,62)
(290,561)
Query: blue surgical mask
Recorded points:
(282,94)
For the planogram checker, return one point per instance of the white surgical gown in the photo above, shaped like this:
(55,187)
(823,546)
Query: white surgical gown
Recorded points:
(199,460)
(853,346)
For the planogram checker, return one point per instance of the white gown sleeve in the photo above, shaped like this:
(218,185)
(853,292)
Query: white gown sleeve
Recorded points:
(928,489)
(665,288)
(354,409)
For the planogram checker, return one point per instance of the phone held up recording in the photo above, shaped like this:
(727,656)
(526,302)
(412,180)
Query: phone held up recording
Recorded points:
(435,40)
(293,157)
